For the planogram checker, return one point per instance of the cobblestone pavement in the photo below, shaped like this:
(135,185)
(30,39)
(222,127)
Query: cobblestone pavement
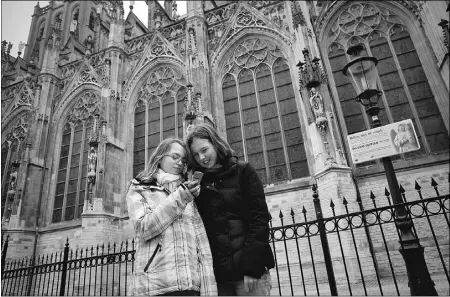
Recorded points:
(371,287)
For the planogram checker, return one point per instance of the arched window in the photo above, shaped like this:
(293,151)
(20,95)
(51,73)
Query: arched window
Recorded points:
(71,181)
(158,113)
(262,119)
(11,152)
(407,93)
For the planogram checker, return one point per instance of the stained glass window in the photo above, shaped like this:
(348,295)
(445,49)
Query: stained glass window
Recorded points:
(71,177)
(158,113)
(262,119)
(401,78)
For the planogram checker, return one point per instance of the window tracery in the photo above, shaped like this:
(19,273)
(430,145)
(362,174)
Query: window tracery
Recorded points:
(158,112)
(11,151)
(71,182)
(261,115)
(407,93)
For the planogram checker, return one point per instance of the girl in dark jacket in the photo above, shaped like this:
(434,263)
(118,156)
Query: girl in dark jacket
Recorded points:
(233,207)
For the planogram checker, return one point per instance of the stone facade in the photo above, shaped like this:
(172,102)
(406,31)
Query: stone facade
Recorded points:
(97,91)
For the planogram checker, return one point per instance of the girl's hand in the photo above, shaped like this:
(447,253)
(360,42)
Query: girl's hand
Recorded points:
(193,187)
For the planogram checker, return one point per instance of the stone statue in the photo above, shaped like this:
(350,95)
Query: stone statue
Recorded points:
(316,103)
(92,160)
(89,45)
(192,40)
(73,25)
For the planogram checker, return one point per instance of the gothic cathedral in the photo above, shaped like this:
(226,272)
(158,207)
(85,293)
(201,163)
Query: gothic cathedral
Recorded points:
(96,90)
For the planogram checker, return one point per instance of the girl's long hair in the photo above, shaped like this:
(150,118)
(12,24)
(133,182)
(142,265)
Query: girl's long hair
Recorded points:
(205,131)
(153,163)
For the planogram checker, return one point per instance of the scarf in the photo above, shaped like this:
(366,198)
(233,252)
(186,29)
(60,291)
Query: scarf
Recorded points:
(168,180)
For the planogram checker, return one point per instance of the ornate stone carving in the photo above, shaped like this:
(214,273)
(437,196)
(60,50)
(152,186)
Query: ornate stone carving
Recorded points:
(298,18)
(139,43)
(250,53)
(92,165)
(162,80)
(277,14)
(69,69)
(221,14)
(89,45)
(361,19)
(158,48)
(192,48)
(86,106)
(175,30)
(311,73)
(316,103)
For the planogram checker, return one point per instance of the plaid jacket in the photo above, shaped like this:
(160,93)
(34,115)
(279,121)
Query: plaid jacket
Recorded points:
(172,248)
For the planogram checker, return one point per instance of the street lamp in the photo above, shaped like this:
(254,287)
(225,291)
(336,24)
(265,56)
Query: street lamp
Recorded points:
(362,73)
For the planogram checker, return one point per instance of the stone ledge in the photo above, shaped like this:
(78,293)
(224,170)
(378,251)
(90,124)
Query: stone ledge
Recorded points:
(66,225)
(332,168)
(289,186)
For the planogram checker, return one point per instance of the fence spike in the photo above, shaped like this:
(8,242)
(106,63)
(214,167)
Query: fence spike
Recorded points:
(358,198)
(417,186)
(331,203)
(67,241)
(372,196)
(280,215)
(292,212)
(344,201)
(270,218)
(434,184)
(386,192)
(402,190)
(303,209)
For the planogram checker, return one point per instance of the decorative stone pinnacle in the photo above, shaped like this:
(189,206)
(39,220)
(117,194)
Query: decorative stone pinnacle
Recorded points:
(311,74)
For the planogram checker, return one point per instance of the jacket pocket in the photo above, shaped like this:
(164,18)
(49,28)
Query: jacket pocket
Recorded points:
(158,248)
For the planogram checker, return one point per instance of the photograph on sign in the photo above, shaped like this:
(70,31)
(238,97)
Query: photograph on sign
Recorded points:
(384,141)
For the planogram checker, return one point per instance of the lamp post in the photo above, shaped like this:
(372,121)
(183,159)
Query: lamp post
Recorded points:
(362,74)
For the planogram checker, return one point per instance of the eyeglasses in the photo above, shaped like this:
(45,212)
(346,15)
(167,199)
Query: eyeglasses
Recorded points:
(177,158)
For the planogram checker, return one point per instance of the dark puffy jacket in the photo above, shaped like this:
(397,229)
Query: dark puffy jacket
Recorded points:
(233,207)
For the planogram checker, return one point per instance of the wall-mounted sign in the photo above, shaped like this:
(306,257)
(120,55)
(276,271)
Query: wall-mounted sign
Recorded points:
(383,141)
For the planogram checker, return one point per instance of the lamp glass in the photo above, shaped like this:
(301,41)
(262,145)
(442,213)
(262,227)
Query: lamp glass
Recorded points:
(99,8)
(362,74)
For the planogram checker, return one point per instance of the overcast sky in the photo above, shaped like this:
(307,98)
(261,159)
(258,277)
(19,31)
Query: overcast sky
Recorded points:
(16,18)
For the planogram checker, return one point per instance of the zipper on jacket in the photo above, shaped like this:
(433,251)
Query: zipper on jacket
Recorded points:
(158,248)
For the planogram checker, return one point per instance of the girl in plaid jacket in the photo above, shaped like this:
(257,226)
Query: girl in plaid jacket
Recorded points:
(173,256)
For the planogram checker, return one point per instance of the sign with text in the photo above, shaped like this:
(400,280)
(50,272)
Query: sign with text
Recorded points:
(383,141)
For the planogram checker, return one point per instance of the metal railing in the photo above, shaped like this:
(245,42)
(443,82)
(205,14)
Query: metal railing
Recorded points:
(103,270)
(344,253)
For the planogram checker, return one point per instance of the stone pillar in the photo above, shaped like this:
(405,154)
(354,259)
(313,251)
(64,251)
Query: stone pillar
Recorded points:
(117,28)
(197,62)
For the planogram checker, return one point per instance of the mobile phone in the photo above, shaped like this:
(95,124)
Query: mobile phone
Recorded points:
(198,175)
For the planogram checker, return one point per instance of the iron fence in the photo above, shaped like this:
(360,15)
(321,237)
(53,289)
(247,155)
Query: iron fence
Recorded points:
(101,270)
(342,253)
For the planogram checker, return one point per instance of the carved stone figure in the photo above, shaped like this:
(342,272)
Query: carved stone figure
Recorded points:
(89,45)
(92,160)
(316,102)
(192,40)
